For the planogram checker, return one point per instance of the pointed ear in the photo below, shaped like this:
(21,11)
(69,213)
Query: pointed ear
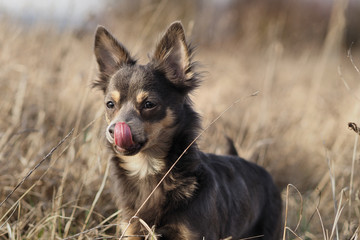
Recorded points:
(110,56)
(172,56)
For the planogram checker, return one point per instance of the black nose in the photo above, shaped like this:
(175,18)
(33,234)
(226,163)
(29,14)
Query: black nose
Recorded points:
(111,129)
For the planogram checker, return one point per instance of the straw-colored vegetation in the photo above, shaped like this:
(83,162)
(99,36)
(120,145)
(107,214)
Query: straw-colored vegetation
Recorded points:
(297,126)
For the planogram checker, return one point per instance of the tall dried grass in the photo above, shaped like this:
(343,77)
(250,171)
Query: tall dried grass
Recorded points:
(296,127)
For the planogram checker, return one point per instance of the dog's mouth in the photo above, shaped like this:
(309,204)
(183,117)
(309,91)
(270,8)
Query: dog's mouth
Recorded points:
(132,150)
(122,140)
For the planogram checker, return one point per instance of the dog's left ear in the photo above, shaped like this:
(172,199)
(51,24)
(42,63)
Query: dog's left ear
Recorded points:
(172,56)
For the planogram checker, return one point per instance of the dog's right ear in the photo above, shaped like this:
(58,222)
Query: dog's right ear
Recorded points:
(110,56)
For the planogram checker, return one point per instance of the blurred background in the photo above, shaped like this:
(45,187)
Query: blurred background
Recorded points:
(301,55)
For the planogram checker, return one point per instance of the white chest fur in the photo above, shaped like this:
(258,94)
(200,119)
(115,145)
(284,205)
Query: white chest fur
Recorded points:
(142,165)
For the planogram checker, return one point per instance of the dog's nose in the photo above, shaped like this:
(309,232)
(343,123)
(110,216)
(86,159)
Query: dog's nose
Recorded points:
(111,130)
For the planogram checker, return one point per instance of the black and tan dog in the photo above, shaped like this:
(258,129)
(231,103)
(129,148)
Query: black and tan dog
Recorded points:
(150,123)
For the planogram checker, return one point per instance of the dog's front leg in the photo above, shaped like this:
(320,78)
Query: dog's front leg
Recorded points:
(178,231)
(130,232)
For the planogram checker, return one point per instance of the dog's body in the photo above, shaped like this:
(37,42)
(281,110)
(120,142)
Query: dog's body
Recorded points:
(150,123)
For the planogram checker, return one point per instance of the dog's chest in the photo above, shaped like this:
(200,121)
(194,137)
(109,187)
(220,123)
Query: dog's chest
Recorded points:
(141,165)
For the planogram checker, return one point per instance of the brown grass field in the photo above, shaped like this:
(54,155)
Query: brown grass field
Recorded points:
(296,126)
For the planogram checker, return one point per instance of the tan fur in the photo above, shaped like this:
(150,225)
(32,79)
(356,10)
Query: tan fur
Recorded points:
(115,95)
(167,122)
(184,191)
(141,96)
(160,133)
(186,232)
(130,231)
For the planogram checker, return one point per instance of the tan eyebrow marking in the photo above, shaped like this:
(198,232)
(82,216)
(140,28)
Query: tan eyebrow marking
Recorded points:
(141,96)
(115,95)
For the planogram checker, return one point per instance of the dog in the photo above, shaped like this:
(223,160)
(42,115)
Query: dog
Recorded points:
(150,123)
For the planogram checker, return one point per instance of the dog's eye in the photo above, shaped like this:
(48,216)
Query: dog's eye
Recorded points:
(110,104)
(149,105)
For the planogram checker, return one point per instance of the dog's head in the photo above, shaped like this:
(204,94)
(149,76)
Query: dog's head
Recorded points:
(144,103)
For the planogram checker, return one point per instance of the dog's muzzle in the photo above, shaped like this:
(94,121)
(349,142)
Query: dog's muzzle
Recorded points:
(120,136)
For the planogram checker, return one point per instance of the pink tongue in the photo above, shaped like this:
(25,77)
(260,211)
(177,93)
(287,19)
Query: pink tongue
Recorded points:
(122,135)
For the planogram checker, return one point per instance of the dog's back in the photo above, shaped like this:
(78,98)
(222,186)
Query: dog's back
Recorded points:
(239,186)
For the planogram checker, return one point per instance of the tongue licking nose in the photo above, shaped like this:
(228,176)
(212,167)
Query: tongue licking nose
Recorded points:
(122,136)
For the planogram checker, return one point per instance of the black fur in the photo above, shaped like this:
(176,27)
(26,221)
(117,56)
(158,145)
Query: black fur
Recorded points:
(205,196)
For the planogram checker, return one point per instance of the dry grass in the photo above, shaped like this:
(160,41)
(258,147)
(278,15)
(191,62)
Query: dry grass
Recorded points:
(296,127)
